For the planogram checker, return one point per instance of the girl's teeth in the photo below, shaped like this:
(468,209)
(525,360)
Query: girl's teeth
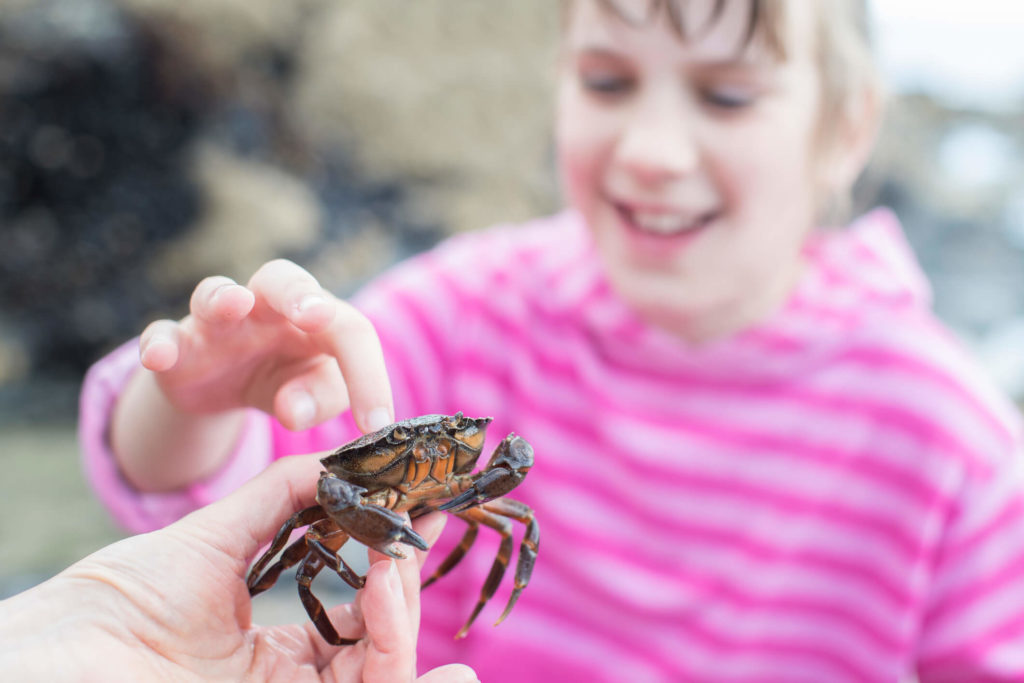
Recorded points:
(663,223)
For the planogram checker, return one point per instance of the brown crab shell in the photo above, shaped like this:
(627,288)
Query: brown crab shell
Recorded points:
(380,459)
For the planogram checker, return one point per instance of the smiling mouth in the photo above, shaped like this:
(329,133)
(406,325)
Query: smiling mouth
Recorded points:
(662,223)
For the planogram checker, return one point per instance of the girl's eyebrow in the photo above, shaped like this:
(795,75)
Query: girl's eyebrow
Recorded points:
(738,61)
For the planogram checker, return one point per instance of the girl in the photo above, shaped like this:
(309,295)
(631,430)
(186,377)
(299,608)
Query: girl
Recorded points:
(758,454)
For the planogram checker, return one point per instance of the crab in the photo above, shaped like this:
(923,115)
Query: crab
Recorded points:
(416,466)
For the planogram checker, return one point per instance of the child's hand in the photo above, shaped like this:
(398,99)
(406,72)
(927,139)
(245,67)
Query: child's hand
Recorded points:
(281,344)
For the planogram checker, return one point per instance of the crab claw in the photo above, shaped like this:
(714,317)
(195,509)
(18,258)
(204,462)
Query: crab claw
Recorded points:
(379,528)
(374,526)
(512,459)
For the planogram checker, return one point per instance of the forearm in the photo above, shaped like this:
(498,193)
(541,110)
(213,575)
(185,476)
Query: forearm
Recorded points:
(161,448)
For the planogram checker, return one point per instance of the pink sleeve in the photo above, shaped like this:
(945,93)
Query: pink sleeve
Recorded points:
(136,510)
(974,626)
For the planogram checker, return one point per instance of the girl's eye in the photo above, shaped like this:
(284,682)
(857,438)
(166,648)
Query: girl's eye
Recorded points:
(606,84)
(728,98)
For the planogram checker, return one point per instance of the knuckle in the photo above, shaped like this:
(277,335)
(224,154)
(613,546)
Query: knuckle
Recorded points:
(360,326)
(352,321)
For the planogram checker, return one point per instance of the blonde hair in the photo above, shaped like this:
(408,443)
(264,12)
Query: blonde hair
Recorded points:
(849,77)
(843,50)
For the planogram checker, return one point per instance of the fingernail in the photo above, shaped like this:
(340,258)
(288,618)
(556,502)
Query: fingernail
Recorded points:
(378,418)
(394,582)
(146,347)
(303,410)
(310,301)
(149,346)
(219,291)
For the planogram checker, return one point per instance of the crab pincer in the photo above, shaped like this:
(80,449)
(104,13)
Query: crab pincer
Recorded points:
(372,525)
(507,468)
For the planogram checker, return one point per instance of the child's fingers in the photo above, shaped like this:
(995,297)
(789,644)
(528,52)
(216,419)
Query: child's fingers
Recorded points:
(449,673)
(311,397)
(293,293)
(352,340)
(339,330)
(219,299)
(159,346)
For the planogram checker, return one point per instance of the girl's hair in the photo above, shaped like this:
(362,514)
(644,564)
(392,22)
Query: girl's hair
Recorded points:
(763,19)
(843,50)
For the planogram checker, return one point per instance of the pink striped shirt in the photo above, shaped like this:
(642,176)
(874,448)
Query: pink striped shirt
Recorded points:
(833,495)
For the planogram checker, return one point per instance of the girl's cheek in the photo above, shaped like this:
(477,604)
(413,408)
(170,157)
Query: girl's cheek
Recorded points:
(580,165)
(573,182)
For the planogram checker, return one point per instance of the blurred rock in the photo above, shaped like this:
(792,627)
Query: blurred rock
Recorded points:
(456,92)
(252,212)
(93,174)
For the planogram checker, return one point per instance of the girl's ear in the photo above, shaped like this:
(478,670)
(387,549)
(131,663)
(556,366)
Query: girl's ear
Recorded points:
(853,138)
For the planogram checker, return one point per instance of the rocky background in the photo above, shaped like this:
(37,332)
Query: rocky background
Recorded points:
(145,144)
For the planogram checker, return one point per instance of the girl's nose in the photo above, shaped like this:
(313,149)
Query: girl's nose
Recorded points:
(658,142)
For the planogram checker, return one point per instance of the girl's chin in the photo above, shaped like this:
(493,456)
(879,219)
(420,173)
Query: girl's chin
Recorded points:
(660,299)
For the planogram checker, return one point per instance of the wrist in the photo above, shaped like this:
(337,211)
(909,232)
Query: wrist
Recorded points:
(159,447)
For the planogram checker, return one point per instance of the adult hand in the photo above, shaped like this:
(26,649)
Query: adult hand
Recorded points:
(173,605)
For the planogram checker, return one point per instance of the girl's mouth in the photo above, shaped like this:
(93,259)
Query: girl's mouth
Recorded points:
(661,223)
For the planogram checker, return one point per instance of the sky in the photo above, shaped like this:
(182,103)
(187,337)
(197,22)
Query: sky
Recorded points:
(967,53)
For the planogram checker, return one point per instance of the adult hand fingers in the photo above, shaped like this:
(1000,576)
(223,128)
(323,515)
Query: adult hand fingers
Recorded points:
(391,638)
(247,519)
(430,528)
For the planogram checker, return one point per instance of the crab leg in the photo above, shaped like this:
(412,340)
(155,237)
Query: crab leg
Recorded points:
(308,569)
(527,550)
(457,553)
(295,552)
(289,558)
(504,527)
(327,544)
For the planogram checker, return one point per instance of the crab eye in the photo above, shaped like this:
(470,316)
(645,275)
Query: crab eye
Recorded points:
(400,434)
(456,421)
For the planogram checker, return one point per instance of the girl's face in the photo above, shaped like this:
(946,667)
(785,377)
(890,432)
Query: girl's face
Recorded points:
(692,160)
